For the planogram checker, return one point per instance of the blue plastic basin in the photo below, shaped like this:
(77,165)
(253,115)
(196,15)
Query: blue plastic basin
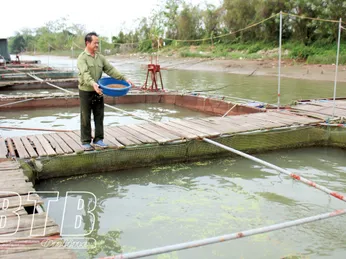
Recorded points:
(105,81)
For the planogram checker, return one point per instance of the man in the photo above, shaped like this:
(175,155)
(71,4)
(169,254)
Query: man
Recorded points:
(91,65)
(17,58)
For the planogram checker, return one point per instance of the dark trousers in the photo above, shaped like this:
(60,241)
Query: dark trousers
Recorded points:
(91,102)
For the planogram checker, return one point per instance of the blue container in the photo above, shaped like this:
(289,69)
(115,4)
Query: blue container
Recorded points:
(105,81)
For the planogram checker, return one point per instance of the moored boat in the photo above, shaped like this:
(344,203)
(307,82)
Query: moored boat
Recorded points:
(41,75)
(31,69)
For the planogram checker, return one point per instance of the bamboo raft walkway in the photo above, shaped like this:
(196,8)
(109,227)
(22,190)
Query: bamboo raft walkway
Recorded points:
(117,137)
(27,241)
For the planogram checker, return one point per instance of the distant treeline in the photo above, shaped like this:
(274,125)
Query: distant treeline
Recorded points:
(180,23)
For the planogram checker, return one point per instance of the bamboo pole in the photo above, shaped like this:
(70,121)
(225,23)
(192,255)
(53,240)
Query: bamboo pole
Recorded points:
(41,80)
(229,110)
(34,129)
(279,65)
(22,101)
(220,239)
(281,170)
(336,66)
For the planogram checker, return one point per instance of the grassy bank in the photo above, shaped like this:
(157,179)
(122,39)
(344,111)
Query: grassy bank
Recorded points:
(314,54)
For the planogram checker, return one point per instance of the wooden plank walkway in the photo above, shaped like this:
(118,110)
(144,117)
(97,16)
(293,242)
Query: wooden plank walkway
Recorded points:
(118,137)
(28,232)
(322,109)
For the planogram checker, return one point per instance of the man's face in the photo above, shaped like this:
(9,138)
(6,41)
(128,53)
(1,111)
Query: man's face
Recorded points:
(94,44)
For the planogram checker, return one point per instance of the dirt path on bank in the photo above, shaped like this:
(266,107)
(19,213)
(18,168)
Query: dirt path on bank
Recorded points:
(289,69)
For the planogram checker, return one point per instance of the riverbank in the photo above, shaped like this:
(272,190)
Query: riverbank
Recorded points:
(259,67)
(250,67)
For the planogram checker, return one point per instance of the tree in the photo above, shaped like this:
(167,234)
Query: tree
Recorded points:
(143,29)
(189,23)
(211,20)
(18,44)
(120,39)
(171,15)
(239,14)
(303,30)
(327,32)
(269,30)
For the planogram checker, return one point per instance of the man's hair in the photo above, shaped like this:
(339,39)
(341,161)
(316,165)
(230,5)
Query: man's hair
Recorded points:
(88,37)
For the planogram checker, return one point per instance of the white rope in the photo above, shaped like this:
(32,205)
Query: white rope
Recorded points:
(41,80)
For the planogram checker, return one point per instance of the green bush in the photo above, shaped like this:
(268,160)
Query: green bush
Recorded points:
(220,54)
(301,52)
(254,48)
(145,46)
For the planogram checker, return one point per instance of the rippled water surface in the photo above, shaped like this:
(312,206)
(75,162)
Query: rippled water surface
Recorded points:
(158,206)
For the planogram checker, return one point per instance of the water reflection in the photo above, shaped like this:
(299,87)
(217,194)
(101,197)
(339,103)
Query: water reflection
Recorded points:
(69,118)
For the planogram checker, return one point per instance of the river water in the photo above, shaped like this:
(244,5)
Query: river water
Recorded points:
(156,206)
(259,88)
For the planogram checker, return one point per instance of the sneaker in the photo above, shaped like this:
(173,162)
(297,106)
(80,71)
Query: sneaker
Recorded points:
(87,147)
(100,144)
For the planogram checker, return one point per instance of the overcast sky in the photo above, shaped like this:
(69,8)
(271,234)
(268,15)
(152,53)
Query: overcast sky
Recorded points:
(106,17)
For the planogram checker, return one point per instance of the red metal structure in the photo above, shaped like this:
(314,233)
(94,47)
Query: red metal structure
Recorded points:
(155,71)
